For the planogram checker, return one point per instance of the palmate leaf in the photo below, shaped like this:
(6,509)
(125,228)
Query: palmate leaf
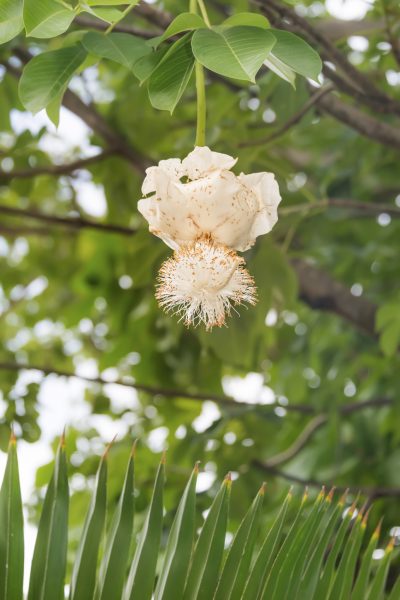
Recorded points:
(83,579)
(170,77)
(235,571)
(47,75)
(116,550)
(173,573)
(316,557)
(122,48)
(11,530)
(203,573)
(11,20)
(50,554)
(143,570)
(296,54)
(236,52)
(46,18)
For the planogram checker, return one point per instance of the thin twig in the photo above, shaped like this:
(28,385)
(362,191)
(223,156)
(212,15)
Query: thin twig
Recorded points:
(300,442)
(56,170)
(221,400)
(294,119)
(70,222)
(89,23)
(370,492)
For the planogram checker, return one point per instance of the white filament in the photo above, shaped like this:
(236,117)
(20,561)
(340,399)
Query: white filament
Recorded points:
(202,281)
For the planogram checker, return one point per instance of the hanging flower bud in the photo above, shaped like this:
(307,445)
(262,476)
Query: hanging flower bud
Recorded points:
(202,281)
(201,196)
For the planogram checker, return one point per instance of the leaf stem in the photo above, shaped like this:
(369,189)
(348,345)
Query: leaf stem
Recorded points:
(201,106)
(200,82)
(203,11)
(123,15)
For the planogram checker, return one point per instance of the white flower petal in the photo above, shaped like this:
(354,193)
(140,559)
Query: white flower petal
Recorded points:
(171,166)
(266,189)
(214,203)
(203,161)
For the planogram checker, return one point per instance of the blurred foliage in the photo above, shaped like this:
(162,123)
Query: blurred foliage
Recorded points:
(84,300)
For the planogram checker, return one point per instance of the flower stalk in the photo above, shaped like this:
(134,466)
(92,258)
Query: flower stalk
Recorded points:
(200,81)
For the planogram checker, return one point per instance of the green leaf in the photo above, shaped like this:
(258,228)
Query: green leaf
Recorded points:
(169,79)
(53,109)
(279,68)
(50,553)
(116,551)
(294,52)
(274,571)
(265,556)
(122,48)
(47,74)
(395,593)
(247,18)
(376,591)
(144,67)
(142,573)
(328,572)
(11,530)
(107,14)
(297,555)
(11,19)
(236,567)
(344,577)
(183,22)
(173,573)
(83,578)
(360,588)
(46,18)
(236,52)
(203,574)
(313,564)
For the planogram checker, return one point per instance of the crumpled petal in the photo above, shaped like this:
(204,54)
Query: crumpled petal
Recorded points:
(214,203)
(171,166)
(266,189)
(201,161)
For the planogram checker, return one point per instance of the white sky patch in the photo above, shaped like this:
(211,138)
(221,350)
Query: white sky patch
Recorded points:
(348,9)
(209,414)
(250,389)
(358,42)
(90,197)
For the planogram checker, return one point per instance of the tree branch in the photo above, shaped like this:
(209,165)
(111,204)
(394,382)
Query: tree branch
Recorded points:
(220,399)
(368,126)
(291,21)
(320,291)
(311,428)
(89,115)
(316,288)
(370,492)
(91,23)
(367,208)
(57,170)
(70,222)
(294,119)
(300,442)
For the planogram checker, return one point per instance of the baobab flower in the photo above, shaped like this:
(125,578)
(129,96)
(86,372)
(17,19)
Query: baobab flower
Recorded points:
(205,213)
